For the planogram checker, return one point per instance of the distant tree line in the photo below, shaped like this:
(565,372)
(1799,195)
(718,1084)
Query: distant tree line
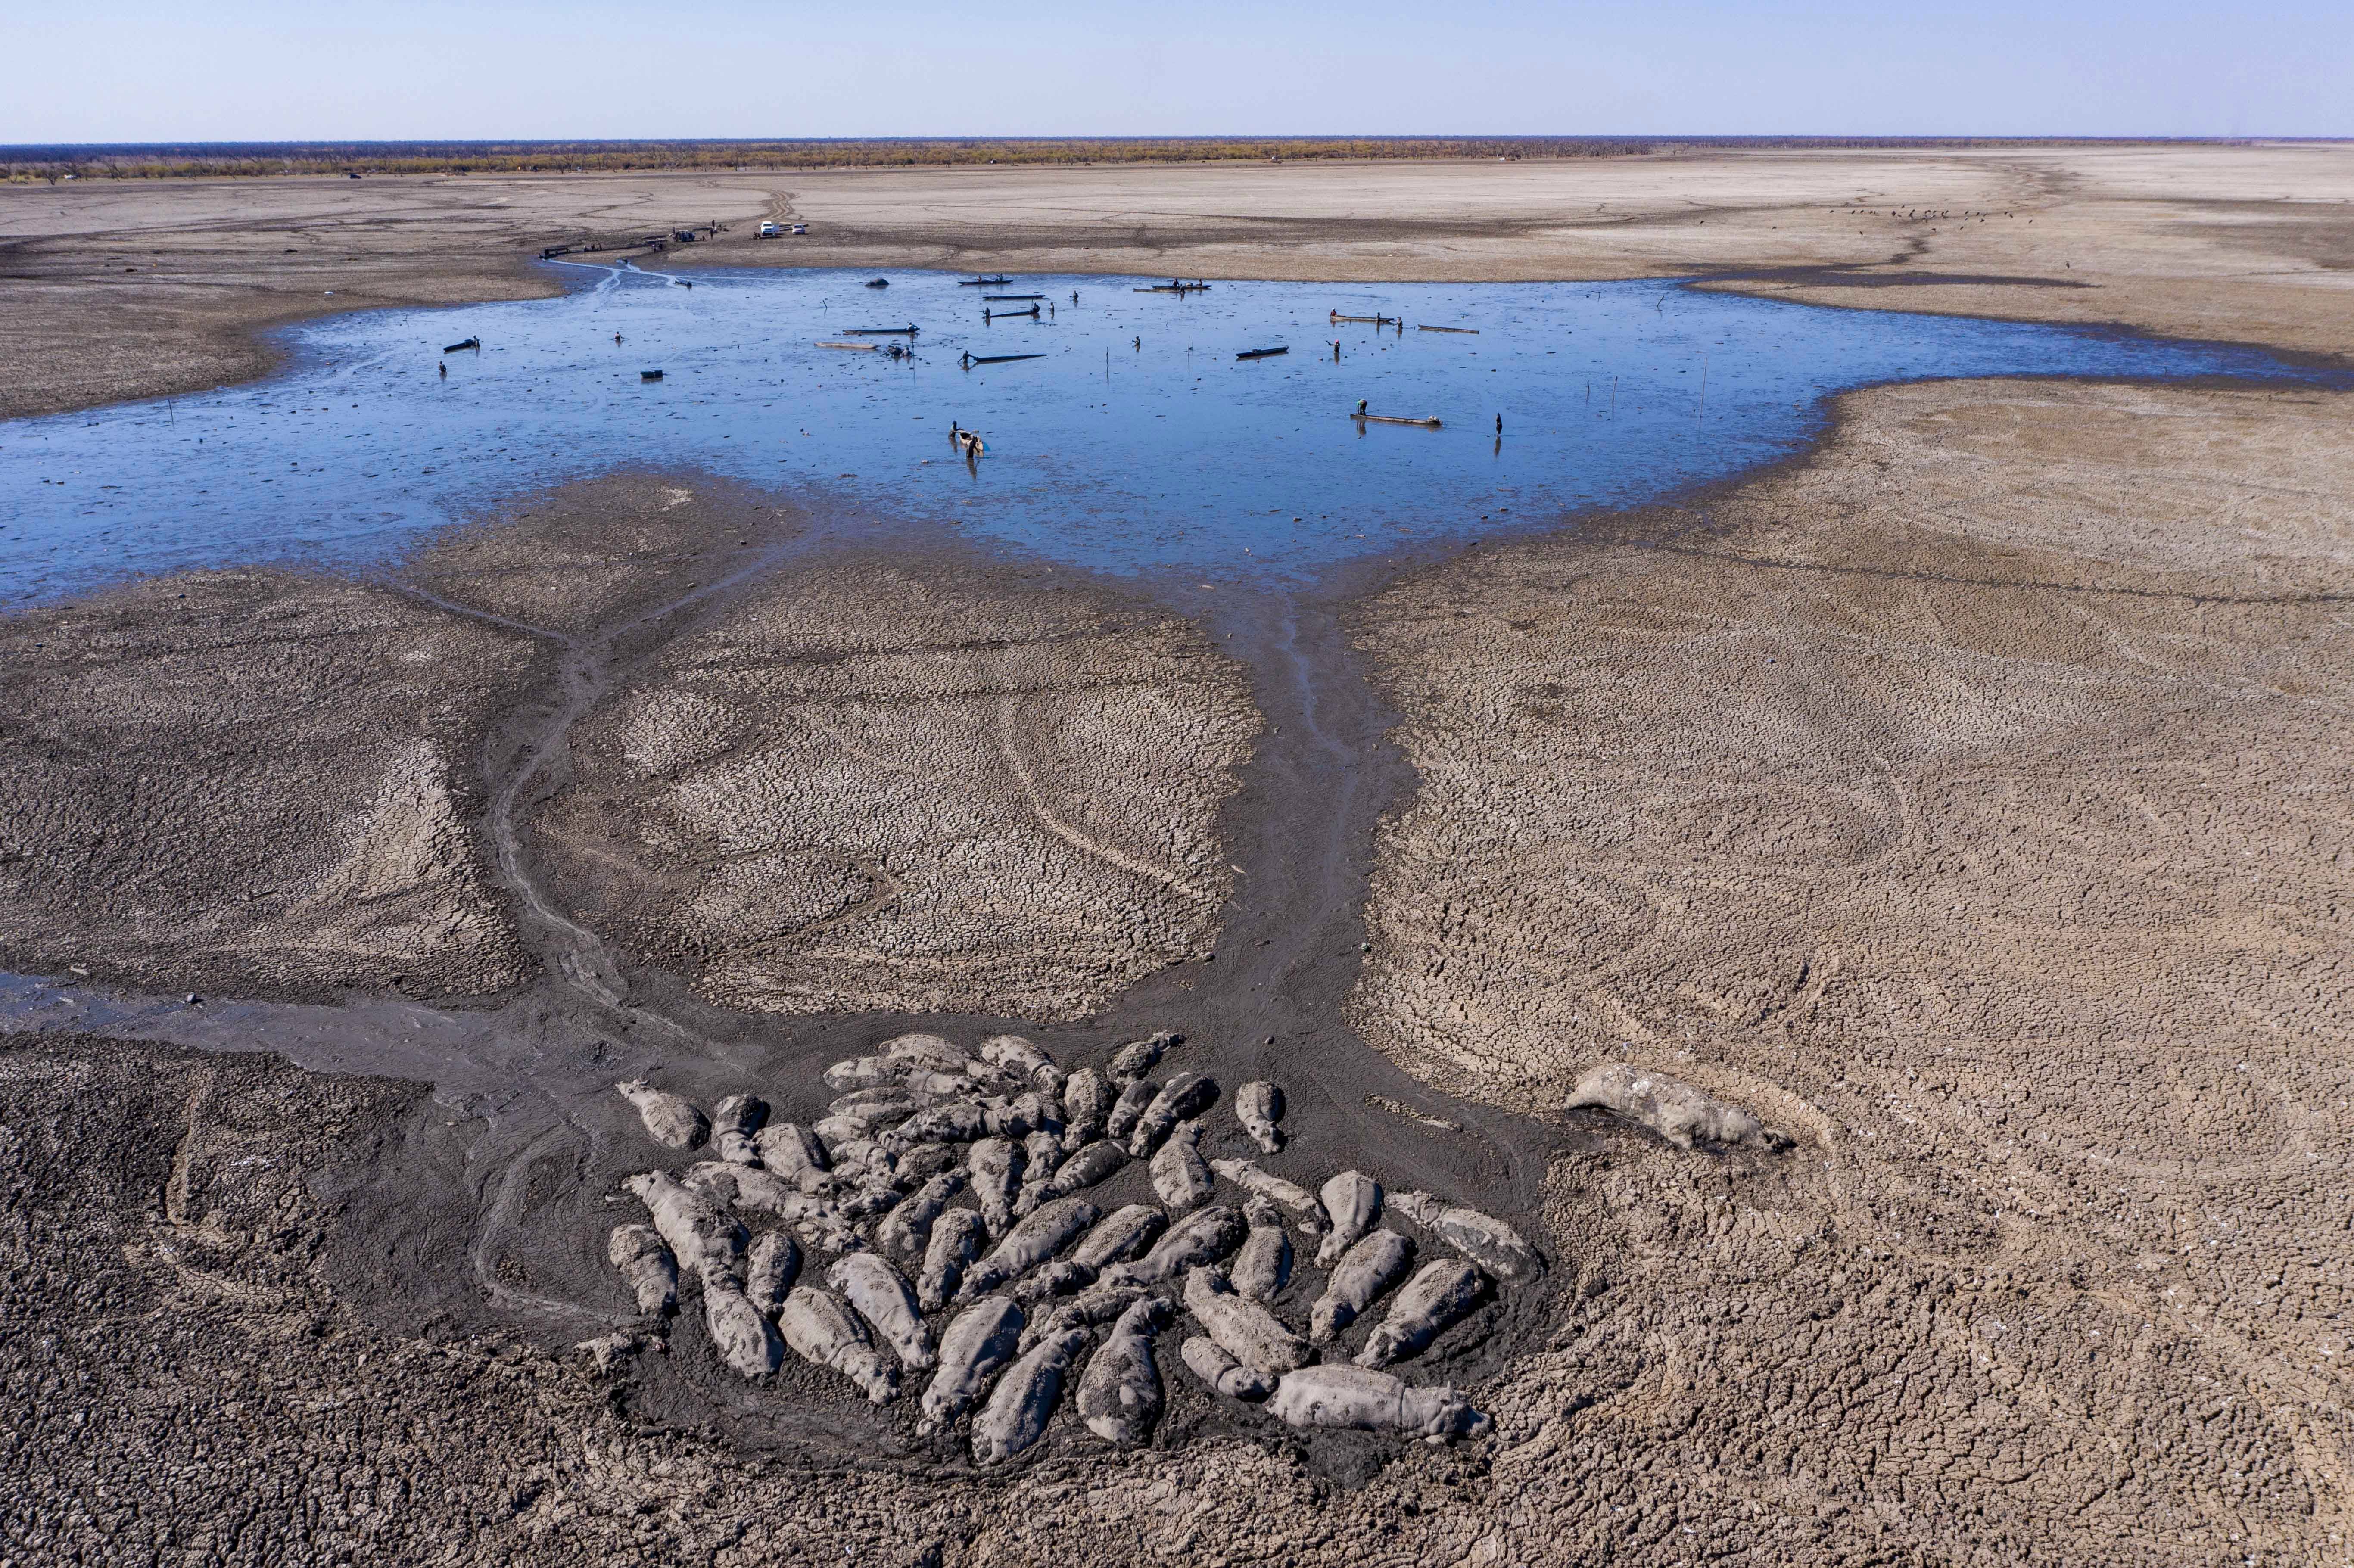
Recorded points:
(168,159)
(180,160)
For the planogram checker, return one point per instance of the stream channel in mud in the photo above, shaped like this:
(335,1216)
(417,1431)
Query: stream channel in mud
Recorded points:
(1138,447)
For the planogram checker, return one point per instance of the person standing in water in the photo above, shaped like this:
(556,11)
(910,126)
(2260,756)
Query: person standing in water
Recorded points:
(1361,407)
(445,370)
(1500,424)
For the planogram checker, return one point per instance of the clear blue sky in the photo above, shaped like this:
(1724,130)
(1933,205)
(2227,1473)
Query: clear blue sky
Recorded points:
(106,70)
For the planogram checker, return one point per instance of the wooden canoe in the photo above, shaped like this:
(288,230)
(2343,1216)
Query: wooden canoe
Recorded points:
(1261,352)
(981,282)
(867,347)
(1375,321)
(1002,358)
(880,332)
(1473,332)
(992,298)
(1430,424)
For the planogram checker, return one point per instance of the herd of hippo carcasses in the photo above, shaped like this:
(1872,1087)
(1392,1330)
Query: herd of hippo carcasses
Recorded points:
(1002,1305)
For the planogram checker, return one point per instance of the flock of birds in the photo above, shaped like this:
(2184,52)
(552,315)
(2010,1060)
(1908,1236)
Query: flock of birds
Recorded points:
(997,1303)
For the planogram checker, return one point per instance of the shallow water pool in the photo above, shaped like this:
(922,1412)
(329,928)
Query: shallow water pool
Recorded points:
(1137,442)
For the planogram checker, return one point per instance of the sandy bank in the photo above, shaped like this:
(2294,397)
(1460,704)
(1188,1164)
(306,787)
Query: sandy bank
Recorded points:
(120,290)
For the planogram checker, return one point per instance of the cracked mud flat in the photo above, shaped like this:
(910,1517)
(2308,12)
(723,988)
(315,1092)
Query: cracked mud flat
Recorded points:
(1971,801)
(465,1215)
(2049,1274)
(272,784)
(875,788)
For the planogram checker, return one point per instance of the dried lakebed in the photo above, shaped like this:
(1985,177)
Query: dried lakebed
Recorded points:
(489,1207)
(494,1208)
(489,1210)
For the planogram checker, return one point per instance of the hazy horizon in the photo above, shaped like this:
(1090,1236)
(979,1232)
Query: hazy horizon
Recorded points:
(267,70)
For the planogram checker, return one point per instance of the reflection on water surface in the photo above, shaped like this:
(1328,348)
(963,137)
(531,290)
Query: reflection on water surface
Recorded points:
(1137,442)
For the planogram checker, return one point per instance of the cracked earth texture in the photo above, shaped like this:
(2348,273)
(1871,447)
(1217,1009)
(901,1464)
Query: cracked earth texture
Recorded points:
(1970,801)
(254,781)
(869,787)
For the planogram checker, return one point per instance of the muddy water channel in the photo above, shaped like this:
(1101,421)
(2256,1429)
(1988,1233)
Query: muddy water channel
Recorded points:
(1136,439)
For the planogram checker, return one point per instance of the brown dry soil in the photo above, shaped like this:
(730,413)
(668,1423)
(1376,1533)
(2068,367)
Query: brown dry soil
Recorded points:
(1971,800)
(1968,799)
(872,786)
(272,784)
(250,781)
(188,1376)
(859,786)
(125,289)
(115,290)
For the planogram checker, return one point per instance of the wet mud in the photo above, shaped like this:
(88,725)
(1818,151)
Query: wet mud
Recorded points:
(485,1210)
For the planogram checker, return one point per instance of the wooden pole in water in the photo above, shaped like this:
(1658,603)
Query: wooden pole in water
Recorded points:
(1703,414)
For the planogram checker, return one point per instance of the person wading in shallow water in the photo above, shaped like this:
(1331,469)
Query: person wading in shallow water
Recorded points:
(1500,424)
(445,370)
(1361,407)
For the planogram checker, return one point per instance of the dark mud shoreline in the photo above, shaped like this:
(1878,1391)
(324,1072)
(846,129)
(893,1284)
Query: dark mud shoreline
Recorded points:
(484,1212)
